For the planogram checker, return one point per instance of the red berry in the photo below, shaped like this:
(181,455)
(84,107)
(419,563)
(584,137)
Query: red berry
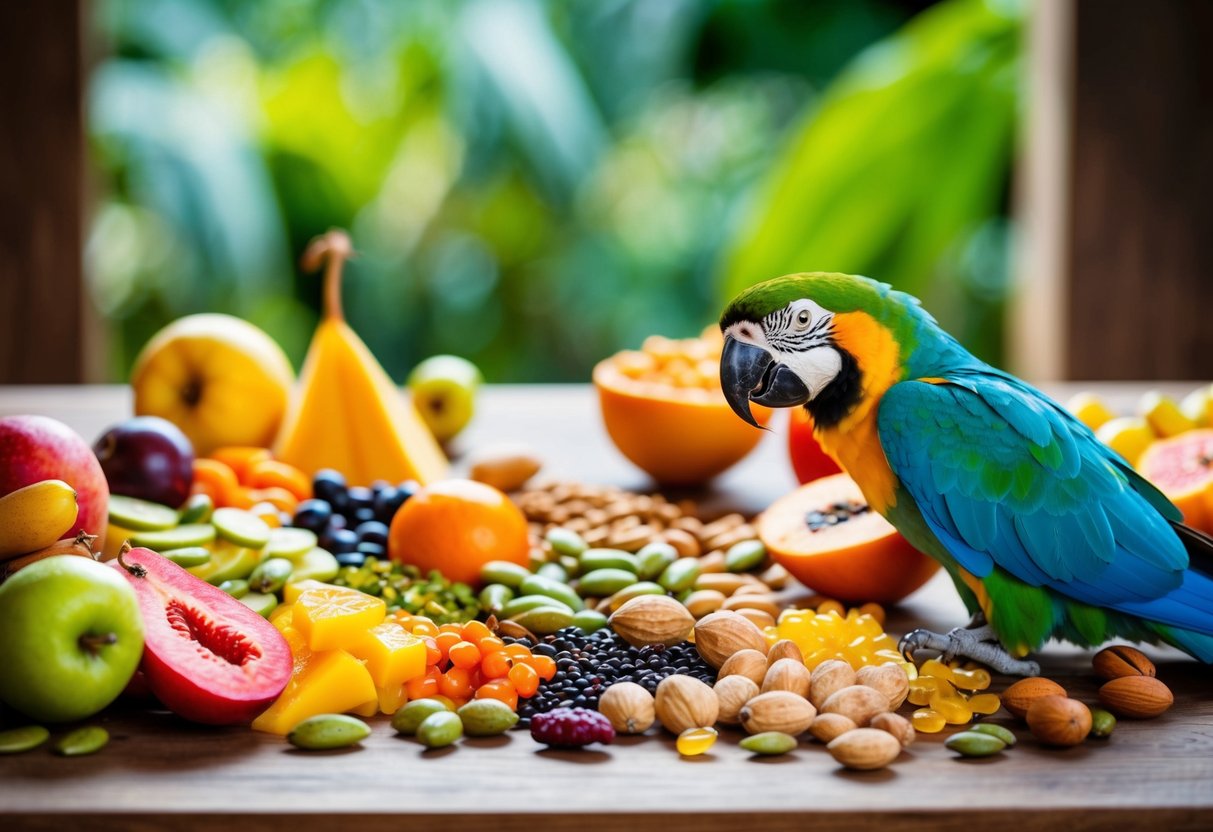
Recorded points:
(571,728)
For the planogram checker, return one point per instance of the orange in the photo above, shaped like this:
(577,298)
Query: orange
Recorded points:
(457,526)
(664,409)
(1182,468)
(857,557)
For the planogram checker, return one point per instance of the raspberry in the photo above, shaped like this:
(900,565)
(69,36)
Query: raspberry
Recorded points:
(571,728)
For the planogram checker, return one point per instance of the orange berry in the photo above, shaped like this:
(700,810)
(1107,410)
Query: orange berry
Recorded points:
(270,473)
(500,690)
(433,654)
(423,627)
(421,687)
(525,679)
(446,640)
(239,497)
(473,631)
(490,644)
(280,497)
(269,514)
(495,665)
(451,627)
(464,654)
(456,683)
(241,458)
(517,651)
(216,478)
(544,666)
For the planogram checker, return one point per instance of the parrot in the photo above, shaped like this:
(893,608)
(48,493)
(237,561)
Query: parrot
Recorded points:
(1044,530)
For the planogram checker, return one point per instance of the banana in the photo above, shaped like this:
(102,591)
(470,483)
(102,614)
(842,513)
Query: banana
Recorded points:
(34,517)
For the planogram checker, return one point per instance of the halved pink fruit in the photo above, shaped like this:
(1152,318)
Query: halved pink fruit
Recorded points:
(1182,468)
(207,657)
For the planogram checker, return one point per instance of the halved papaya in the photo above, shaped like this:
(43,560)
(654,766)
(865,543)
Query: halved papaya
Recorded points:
(1182,468)
(825,534)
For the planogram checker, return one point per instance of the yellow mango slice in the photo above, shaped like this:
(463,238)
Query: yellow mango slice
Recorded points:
(292,591)
(330,682)
(335,617)
(282,617)
(366,709)
(391,698)
(392,654)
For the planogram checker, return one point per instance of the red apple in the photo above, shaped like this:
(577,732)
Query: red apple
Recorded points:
(148,458)
(207,657)
(809,461)
(36,448)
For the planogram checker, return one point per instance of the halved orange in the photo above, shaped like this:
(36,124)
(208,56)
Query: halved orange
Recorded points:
(1182,468)
(825,534)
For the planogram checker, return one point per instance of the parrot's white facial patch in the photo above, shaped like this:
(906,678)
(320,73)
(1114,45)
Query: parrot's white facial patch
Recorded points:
(797,336)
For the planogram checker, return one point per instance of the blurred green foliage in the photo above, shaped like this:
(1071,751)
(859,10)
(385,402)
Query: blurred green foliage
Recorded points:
(534,184)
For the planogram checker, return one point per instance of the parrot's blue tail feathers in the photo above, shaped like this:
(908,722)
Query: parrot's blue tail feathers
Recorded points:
(1199,546)
(1189,607)
(1197,645)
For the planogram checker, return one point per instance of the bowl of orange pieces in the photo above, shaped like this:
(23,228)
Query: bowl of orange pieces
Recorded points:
(664,409)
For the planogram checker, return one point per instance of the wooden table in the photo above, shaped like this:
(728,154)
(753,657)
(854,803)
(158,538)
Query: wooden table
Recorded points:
(159,771)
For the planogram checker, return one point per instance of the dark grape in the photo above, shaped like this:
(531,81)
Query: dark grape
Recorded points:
(372,531)
(313,515)
(372,550)
(341,540)
(351,558)
(360,497)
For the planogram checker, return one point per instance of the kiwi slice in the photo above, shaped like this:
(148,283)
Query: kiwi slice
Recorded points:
(188,555)
(140,515)
(197,509)
(317,565)
(289,543)
(181,537)
(261,603)
(241,527)
(228,562)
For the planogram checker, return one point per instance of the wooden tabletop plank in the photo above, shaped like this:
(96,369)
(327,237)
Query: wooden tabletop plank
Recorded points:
(159,770)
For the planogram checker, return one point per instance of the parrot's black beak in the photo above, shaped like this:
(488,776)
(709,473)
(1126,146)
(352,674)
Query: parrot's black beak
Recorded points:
(750,374)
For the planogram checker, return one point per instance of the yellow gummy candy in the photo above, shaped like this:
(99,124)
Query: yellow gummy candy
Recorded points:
(928,721)
(975,679)
(936,668)
(985,703)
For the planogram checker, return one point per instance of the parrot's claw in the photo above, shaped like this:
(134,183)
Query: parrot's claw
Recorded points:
(979,644)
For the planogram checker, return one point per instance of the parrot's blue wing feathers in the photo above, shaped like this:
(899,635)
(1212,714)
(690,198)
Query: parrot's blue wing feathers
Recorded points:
(1045,501)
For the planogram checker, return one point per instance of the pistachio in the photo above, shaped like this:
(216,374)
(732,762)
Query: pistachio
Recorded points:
(412,714)
(87,740)
(1102,723)
(440,729)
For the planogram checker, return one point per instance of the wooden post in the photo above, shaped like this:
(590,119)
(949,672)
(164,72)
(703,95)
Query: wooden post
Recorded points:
(1117,275)
(41,165)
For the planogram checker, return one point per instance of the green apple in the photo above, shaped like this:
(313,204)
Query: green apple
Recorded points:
(444,392)
(71,637)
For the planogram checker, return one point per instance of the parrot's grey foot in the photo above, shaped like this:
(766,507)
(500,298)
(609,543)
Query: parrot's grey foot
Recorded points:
(978,643)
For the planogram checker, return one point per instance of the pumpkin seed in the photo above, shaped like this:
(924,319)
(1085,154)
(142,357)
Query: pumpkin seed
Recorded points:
(16,740)
(769,743)
(544,620)
(744,556)
(589,621)
(653,559)
(974,744)
(87,740)
(1102,723)
(554,571)
(440,729)
(412,714)
(566,541)
(608,559)
(523,603)
(495,596)
(999,731)
(602,582)
(540,585)
(487,717)
(504,572)
(680,575)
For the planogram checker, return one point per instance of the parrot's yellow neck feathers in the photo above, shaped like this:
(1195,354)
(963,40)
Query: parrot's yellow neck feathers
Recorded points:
(853,441)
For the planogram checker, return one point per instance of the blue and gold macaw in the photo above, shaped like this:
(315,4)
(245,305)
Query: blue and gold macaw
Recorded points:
(1045,531)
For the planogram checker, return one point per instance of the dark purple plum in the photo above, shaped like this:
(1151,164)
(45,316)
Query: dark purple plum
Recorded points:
(149,458)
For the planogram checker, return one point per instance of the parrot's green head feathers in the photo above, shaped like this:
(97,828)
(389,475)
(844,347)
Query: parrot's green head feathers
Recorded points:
(818,339)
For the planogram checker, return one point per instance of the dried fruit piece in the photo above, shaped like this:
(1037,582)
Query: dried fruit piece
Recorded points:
(1136,697)
(999,731)
(571,728)
(1019,696)
(1120,660)
(629,707)
(684,702)
(865,749)
(769,743)
(749,663)
(785,648)
(787,674)
(827,727)
(1058,720)
(779,710)
(695,741)
(829,677)
(889,678)
(897,725)
(327,731)
(732,692)
(974,744)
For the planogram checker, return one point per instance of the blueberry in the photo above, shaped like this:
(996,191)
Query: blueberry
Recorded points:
(351,558)
(380,485)
(328,485)
(372,550)
(313,515)
(337,521)
(387,502)
(360,497)
(341,540)
(408,488)
(362,515)
(372,531)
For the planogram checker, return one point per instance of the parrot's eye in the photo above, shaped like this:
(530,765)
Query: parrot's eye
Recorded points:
(803,318)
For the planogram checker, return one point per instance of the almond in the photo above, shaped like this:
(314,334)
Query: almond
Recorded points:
(1057,720)
(703,601)
(787,674)
(732,692)
(759,618)
(684,702)
(652,619)
(1119,660)
(859,702)
(865,749)
(628,706)
(829,676)
(750,601)
(889,678)
(749,663)
(828,726)
(1019,696)
(778,710)
(1136,697)
(897,725)
(721,634)
(784,649)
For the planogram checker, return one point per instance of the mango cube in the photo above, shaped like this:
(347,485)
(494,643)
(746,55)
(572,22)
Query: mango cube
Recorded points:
(335,617)
(282,617)
(323,683)
(292,591)
(392,654)
(366,709)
